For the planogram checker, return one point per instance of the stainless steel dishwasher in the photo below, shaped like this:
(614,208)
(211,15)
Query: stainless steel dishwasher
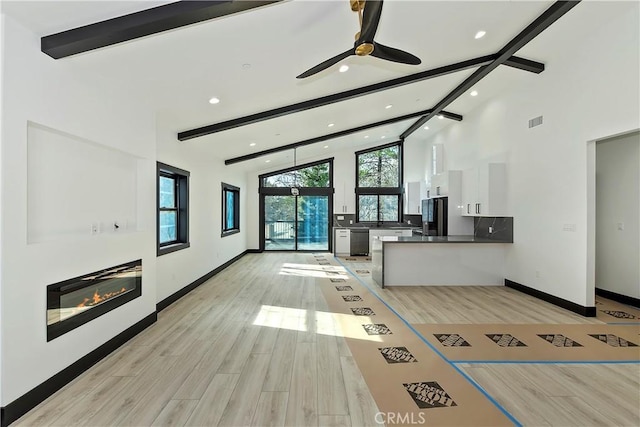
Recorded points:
(359,241)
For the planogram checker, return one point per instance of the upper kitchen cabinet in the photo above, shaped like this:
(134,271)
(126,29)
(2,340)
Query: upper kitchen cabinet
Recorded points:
(484,190)
(439,185)
(343,199)
(412,198)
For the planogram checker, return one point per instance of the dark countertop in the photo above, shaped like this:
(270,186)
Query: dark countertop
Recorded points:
(438,239)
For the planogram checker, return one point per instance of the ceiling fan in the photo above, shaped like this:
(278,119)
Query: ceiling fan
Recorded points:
(369,12)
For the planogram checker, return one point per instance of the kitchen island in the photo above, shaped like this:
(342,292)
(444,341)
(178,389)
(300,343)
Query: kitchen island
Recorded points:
(437,260)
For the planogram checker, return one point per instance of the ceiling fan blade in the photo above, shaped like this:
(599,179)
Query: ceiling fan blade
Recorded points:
(326,64)
(392,54)
(370,20)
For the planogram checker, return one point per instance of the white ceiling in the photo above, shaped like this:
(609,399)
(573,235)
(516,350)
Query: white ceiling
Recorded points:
(177,72)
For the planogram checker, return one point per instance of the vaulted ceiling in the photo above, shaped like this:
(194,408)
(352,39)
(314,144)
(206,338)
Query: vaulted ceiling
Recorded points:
(249,60)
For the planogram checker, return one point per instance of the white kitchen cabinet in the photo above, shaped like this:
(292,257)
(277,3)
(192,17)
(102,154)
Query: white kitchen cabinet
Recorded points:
(484,190)
(412,199)
(439,185)
(343,200)
(342,241)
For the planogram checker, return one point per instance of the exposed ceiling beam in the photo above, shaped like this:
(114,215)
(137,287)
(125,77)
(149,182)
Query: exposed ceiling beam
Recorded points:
(336,97)
(141,24)
(548,17)
(334,135)
(525,64)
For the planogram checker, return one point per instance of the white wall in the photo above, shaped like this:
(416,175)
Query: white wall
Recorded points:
(618,202)
(2,321)
(589,90)
(39,89)
(208,250)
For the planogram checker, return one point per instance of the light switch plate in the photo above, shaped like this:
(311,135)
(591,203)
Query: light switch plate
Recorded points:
(340,217)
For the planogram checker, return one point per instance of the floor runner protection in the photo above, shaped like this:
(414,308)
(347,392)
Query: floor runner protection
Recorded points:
(609,311)
(406,378)
(534,342)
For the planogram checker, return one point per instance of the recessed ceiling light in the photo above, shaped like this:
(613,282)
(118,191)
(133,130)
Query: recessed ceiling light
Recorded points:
(474,93)
(246,66)
(253,144)
(426,128)
(440,116)
(214,100)
(330,125)
(388,106)
(267,161)
(326,146)
(382,137)
(344,68)
(366,136)
(480,34)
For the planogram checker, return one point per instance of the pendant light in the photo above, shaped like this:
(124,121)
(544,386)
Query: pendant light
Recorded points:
(294,190)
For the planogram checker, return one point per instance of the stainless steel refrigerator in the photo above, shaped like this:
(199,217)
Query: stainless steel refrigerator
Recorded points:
(434,216)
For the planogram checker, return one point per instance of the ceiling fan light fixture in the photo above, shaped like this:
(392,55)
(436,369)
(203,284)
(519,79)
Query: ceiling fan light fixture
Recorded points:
(214,100)
(480,34)
(344,68)
(474,93)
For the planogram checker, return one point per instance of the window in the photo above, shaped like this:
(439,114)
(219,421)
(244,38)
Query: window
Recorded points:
(230,209)
(379,184)
(173,209)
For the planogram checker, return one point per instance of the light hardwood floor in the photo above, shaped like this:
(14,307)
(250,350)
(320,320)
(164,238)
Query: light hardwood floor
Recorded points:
(245,349)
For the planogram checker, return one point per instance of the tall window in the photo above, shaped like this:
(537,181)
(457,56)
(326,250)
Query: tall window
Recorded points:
(230,209)
(173,209)
(379,184)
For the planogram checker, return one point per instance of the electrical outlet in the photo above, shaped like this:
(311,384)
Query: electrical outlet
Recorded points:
(490,230)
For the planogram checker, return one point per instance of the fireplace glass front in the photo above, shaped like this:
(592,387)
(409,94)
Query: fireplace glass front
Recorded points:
(76,301)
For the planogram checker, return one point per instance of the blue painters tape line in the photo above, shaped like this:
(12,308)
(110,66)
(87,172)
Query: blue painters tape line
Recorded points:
(624,323)
(548,362)
(435,350)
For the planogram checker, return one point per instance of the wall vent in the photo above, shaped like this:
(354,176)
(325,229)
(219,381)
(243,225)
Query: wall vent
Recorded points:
(535,122)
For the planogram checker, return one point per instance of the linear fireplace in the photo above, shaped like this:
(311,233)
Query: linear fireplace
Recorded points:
(74,302)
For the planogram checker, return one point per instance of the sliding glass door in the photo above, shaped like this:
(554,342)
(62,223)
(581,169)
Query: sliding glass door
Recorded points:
(313,223)
(279,222)
(298,222)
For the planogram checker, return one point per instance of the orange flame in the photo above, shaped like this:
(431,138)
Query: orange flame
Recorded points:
(97,298)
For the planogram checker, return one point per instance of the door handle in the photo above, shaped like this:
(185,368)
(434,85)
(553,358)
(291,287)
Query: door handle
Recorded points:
(477,208)
(468,208)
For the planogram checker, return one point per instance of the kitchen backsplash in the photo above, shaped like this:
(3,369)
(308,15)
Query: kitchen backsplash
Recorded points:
(499,228)
(349,220)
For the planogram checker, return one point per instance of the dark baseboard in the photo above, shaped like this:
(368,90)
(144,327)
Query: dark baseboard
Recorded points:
(254,251)
(567,305)
(624,299)
(191,286)
(35,396)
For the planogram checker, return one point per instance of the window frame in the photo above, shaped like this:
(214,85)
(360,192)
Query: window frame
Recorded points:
(380,191)
(181,178)
(228,188)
